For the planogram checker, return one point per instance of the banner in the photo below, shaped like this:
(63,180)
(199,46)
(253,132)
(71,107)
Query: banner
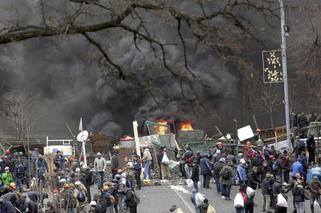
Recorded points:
(66,150)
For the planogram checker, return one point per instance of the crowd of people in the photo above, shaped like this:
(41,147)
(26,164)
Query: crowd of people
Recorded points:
(26,183)
(26,180)
(275,173)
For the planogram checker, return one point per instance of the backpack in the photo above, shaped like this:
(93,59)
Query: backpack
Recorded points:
(225,174)
(110,200)
(70,200)
(81,197)
(245,198)
(136,198)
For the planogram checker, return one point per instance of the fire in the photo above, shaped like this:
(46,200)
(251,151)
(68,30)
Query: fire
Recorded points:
(186,126)
(162,127)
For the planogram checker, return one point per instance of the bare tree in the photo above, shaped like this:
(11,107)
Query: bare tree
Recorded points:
(21,113)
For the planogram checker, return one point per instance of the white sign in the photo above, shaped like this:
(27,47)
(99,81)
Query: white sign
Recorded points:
(245,133)
(280,146)
(66,150)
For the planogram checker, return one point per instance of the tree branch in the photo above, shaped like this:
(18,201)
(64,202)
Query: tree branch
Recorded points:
(105,55)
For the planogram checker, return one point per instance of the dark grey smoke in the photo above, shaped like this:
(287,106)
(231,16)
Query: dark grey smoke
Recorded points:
(62,71)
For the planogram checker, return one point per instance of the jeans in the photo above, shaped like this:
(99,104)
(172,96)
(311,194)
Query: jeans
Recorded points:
(226,190)
(299,207)
(266,202)
(165,171)
(19,184)
(218,185)
(71,210)
(317,199)
(148,170)
(249,208)
(195,184)
(286,176)
(206,180)
(100,179)
(137,178)
(121,203)
(133,209)
(240,210)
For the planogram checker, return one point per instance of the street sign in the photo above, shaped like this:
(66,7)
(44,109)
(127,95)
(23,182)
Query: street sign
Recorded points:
(272,66)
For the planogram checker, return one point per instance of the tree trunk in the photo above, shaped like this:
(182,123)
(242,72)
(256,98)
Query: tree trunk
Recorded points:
(271,118)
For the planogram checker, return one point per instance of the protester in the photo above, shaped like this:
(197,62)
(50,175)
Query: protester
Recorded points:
(241,200)
(205,167)
(137,170)
(195,176)
(226,178)
(7,177)
(131,201)
(266,187)
(147,160)
(165,171)
(311,148)
(216,174)
(299,197)
(114,164)
(42,170)
(241,172)
(315,189)
(100,166)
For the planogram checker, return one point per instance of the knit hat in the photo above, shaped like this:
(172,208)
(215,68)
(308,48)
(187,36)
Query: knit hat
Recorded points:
(173,208)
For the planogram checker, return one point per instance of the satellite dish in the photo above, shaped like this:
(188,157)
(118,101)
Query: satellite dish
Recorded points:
(82,136)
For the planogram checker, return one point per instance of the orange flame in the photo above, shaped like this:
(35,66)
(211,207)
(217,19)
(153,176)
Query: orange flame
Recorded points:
(186,126)
(162,127)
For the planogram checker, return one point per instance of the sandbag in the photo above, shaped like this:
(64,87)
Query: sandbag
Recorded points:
(189,183)
(165,159)
(316,205)
(281,201)
(173,164)
(250,192)
(238,200)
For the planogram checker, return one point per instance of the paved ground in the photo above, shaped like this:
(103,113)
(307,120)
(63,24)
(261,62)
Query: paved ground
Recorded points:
(158,199)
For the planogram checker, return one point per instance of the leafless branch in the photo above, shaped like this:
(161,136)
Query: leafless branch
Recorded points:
(104,53)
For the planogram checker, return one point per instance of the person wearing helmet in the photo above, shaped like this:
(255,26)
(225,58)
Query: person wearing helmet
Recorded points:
(7,177)
(100,167)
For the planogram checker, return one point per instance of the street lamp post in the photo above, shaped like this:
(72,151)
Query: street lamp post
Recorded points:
(285,72)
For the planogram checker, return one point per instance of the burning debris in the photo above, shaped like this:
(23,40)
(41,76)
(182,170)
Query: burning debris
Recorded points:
(186,126)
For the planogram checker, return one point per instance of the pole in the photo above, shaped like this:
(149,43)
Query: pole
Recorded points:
(137,145)
(236,139)
(84,152)
(285,74)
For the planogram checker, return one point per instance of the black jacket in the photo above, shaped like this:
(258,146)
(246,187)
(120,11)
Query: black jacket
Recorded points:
(253,179)
(298,194)
(195,173)
(266,186)
(130,199)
